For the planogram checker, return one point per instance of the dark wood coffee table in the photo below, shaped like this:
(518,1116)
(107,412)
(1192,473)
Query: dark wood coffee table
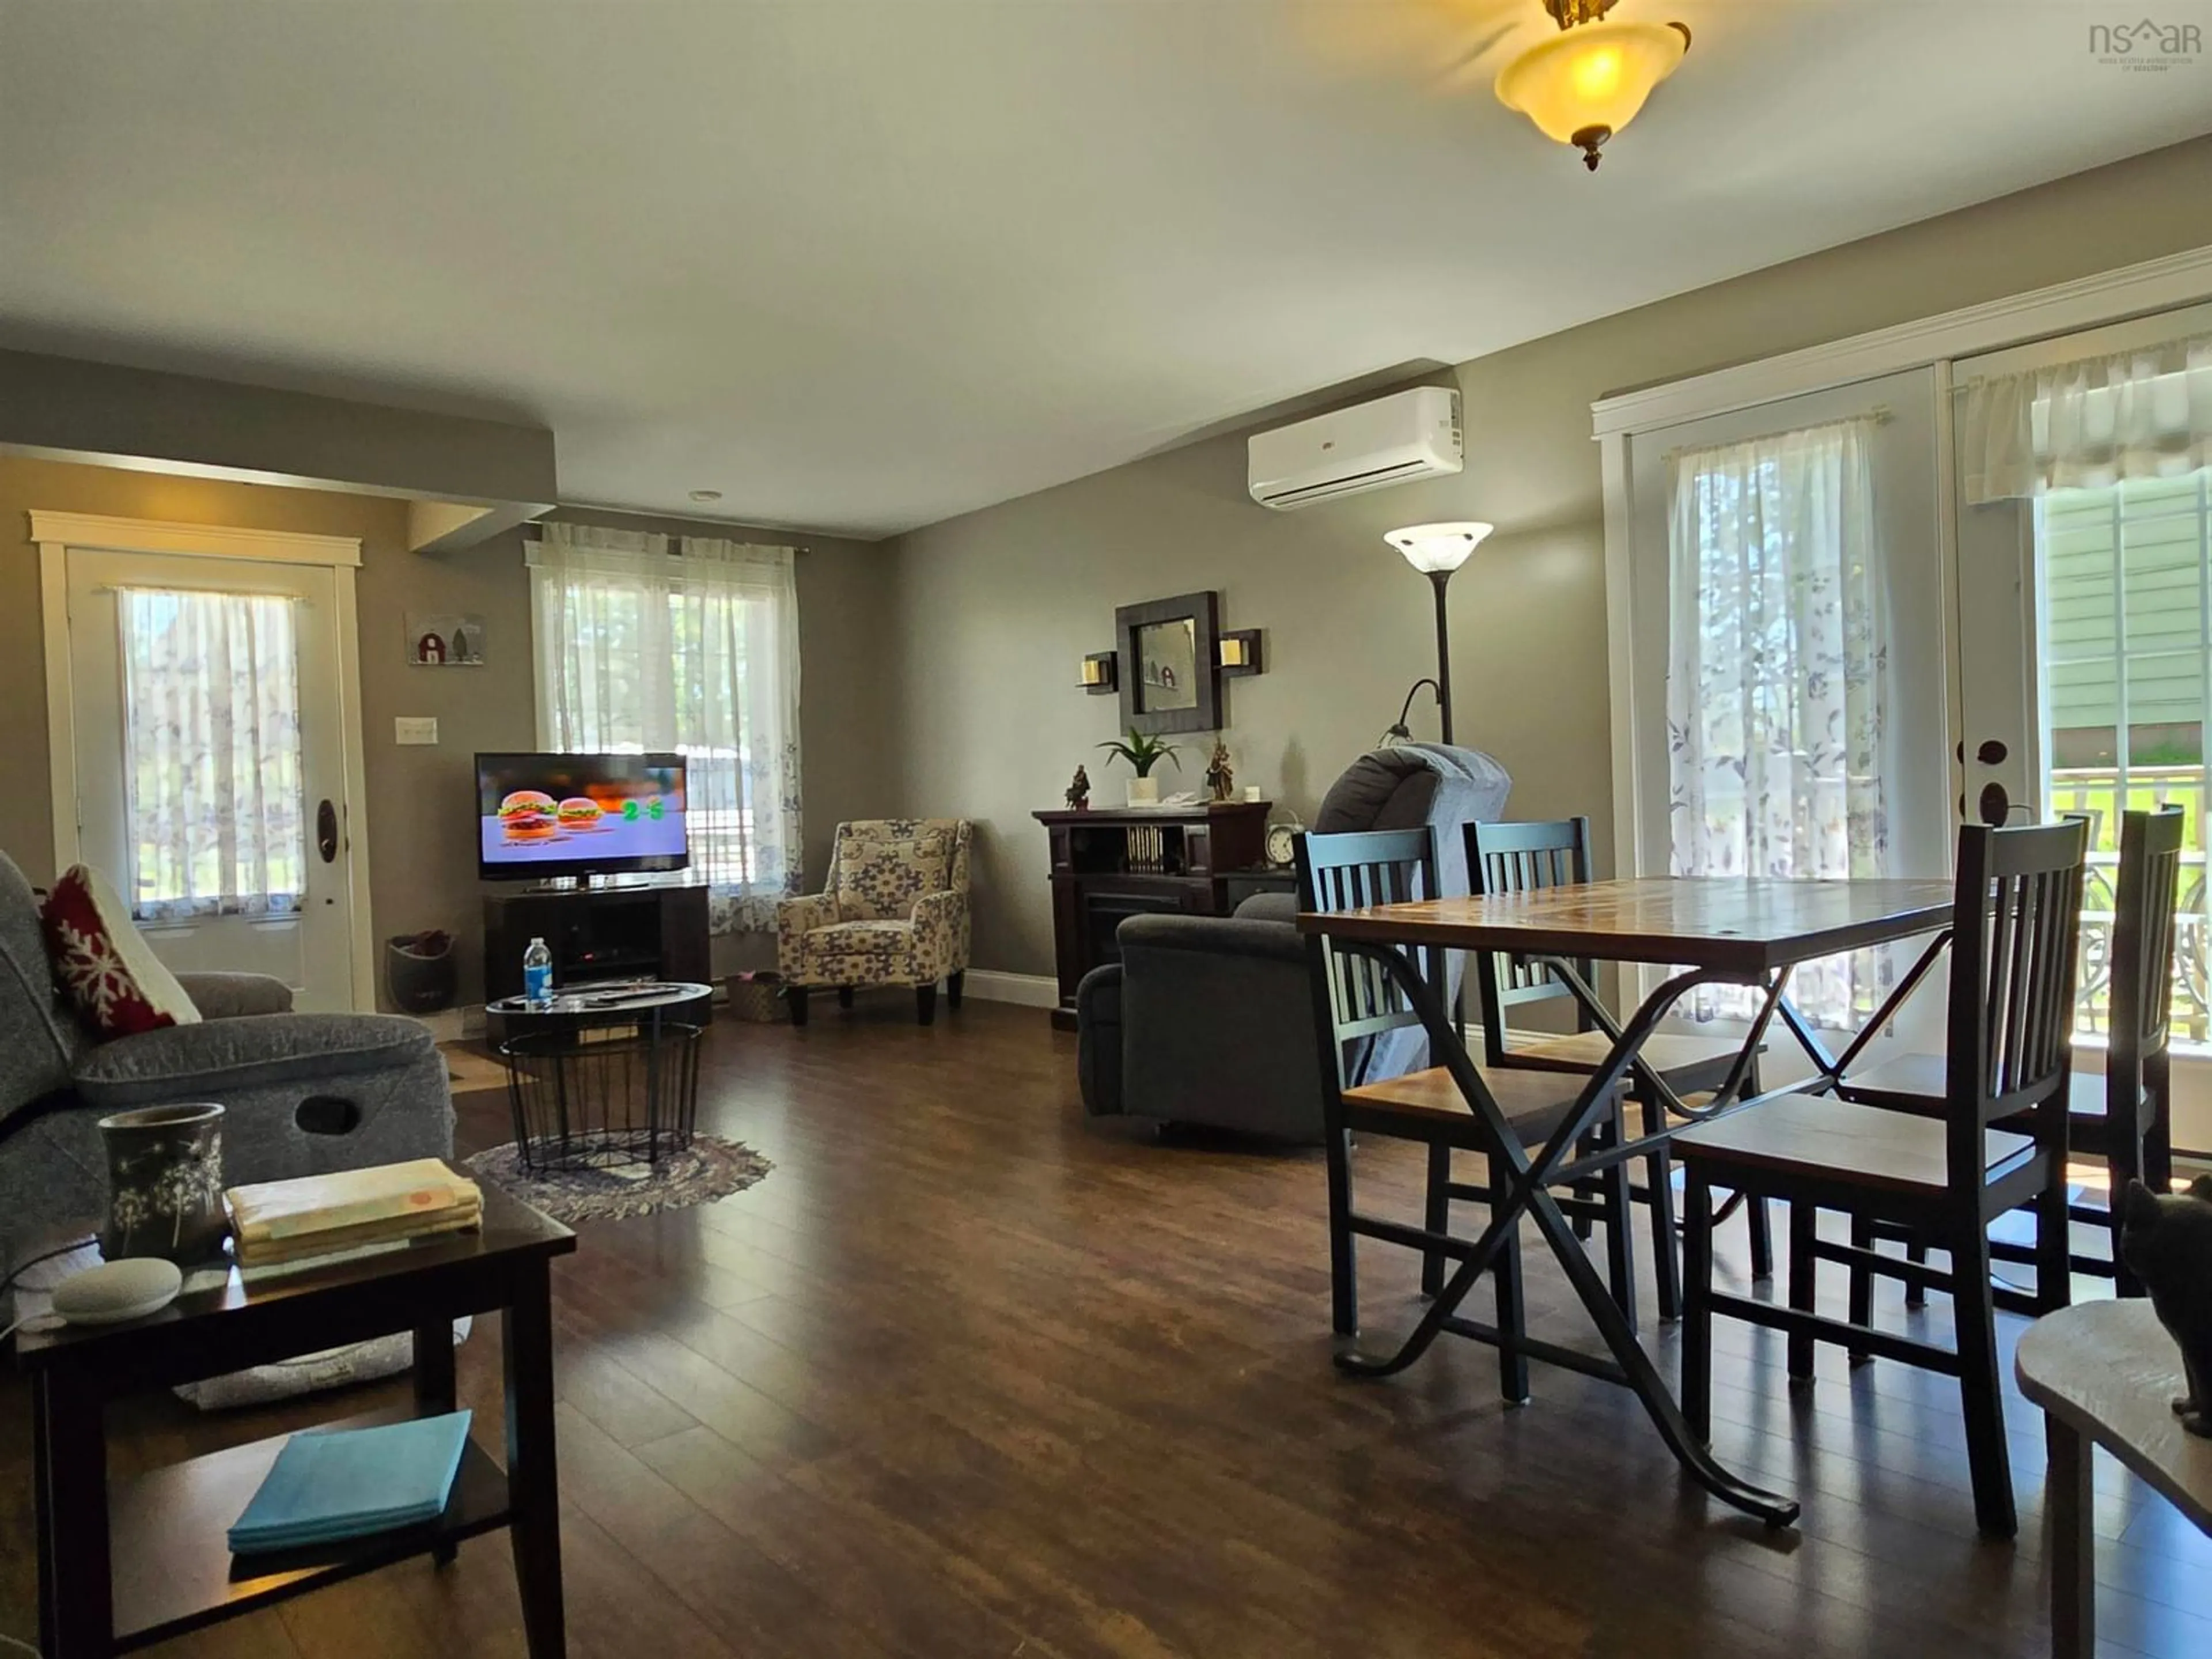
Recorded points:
(137,1561)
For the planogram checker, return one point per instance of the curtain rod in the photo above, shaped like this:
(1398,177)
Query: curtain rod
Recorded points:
(530,533)
(1880,414)
(529,530)
(187,588)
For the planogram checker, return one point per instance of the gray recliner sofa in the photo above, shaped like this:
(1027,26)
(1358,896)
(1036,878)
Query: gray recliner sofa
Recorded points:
(1208,1020)
(306,1093)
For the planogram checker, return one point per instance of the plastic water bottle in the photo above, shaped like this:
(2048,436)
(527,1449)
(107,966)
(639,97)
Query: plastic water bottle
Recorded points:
(538,975)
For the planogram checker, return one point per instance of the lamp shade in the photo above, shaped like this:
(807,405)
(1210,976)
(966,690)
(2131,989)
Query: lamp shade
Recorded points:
(1430,547)
(1582,85)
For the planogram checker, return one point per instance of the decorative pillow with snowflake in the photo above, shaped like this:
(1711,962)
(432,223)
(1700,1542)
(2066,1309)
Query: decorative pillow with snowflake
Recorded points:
(103,964)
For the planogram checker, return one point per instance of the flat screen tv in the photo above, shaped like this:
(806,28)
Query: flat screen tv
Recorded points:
(543,816)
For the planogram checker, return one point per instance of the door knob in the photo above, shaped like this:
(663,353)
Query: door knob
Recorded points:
(326,831)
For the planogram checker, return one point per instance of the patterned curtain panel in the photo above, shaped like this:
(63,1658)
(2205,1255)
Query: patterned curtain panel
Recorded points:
(2087,425)
(644,647)
(1777,707)
(211,753)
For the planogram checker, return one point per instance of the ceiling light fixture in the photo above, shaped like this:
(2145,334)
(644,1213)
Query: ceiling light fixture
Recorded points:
(702,496)
(1583,84)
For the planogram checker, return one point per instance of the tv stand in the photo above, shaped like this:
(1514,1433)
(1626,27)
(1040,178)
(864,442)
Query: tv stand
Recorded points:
(597,935)
(556,885)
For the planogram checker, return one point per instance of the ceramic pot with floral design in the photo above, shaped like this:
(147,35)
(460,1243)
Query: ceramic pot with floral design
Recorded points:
(164,1183)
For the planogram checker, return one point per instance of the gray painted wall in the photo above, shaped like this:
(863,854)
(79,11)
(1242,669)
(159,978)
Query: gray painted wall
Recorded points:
(420,808)
(62,409)
(940,670)
(996,608)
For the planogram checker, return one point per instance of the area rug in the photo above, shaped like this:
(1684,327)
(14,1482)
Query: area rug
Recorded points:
(709,1168)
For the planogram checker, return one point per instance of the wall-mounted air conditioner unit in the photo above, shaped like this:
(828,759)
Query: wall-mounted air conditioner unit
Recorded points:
(1393,439)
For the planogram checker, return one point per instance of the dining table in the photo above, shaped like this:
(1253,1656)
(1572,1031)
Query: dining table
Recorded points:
(1750,930)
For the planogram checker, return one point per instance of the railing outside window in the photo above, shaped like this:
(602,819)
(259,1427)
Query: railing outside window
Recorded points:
(2096,794)
(2126,663)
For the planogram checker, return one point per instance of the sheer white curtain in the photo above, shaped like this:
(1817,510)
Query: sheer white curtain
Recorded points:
(1777,694)
(2098,421)
(211,753)
(694,647)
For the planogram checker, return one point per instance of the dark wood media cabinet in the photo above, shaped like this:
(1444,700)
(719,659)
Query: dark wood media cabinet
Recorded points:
(1109,864)
(596,934)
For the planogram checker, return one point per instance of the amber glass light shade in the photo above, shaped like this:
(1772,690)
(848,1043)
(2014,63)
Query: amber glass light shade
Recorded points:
(1584,84)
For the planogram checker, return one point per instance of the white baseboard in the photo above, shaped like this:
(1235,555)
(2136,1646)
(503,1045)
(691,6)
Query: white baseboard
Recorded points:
(1028,990)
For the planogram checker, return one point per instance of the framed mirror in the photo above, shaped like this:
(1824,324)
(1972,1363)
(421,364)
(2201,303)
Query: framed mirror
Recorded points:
(1170,668)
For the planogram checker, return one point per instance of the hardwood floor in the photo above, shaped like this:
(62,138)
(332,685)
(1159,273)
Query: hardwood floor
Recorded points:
(967,1376)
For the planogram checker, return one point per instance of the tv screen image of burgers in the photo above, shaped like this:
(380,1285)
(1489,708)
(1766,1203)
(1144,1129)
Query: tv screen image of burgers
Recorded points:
(566,815)
(526,815)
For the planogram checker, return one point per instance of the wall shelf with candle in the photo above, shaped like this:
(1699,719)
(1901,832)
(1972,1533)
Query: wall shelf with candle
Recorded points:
(1240,653)
(1172,657)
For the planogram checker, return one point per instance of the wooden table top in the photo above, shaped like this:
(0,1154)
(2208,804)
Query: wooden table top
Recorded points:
(2108,1370)
(1750,925)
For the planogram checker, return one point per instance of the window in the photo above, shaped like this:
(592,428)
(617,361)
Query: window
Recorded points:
(211,753)
(2127,669)
(696,650)
(1776,684)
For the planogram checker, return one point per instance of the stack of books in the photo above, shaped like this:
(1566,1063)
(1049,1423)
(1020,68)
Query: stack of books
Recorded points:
(279,1222)
(328,1485)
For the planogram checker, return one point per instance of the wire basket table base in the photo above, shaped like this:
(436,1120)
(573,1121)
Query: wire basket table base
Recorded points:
(594,1099)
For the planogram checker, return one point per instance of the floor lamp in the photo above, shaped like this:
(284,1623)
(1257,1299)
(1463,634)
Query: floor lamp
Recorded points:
(1436,551)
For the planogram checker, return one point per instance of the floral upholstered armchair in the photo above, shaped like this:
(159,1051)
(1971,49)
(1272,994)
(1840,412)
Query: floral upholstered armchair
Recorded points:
(895,912)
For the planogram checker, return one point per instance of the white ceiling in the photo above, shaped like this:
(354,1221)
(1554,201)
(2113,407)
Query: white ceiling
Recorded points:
(862,266)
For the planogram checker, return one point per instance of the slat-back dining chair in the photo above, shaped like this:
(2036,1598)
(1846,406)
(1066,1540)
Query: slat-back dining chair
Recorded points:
(1529,857)
(1356,1000)
(2124,1116)
(2015,930)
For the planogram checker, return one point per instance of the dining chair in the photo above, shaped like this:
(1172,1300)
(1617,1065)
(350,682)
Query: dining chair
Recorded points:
(1529,857)
(1356,1000)
(2016,928)
(2124,1116)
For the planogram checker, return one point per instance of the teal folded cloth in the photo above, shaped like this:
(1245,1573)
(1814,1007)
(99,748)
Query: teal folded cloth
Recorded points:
(335,1484)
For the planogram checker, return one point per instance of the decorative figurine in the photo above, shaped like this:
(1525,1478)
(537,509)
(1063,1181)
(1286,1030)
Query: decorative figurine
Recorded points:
(1078,791)
(1220,775)
(2168,1241)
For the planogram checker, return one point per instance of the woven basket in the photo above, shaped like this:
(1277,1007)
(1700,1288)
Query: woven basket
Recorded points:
(758,997)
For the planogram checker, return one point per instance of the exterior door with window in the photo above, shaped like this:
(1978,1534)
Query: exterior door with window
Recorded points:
(1793,698)
(2085,573)
(207,710)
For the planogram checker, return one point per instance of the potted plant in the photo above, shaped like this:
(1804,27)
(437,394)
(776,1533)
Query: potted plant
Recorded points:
(1142,752)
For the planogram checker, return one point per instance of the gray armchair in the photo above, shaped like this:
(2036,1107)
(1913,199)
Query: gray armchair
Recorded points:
(1209,1020)
(1204,1019)
(306,1093)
